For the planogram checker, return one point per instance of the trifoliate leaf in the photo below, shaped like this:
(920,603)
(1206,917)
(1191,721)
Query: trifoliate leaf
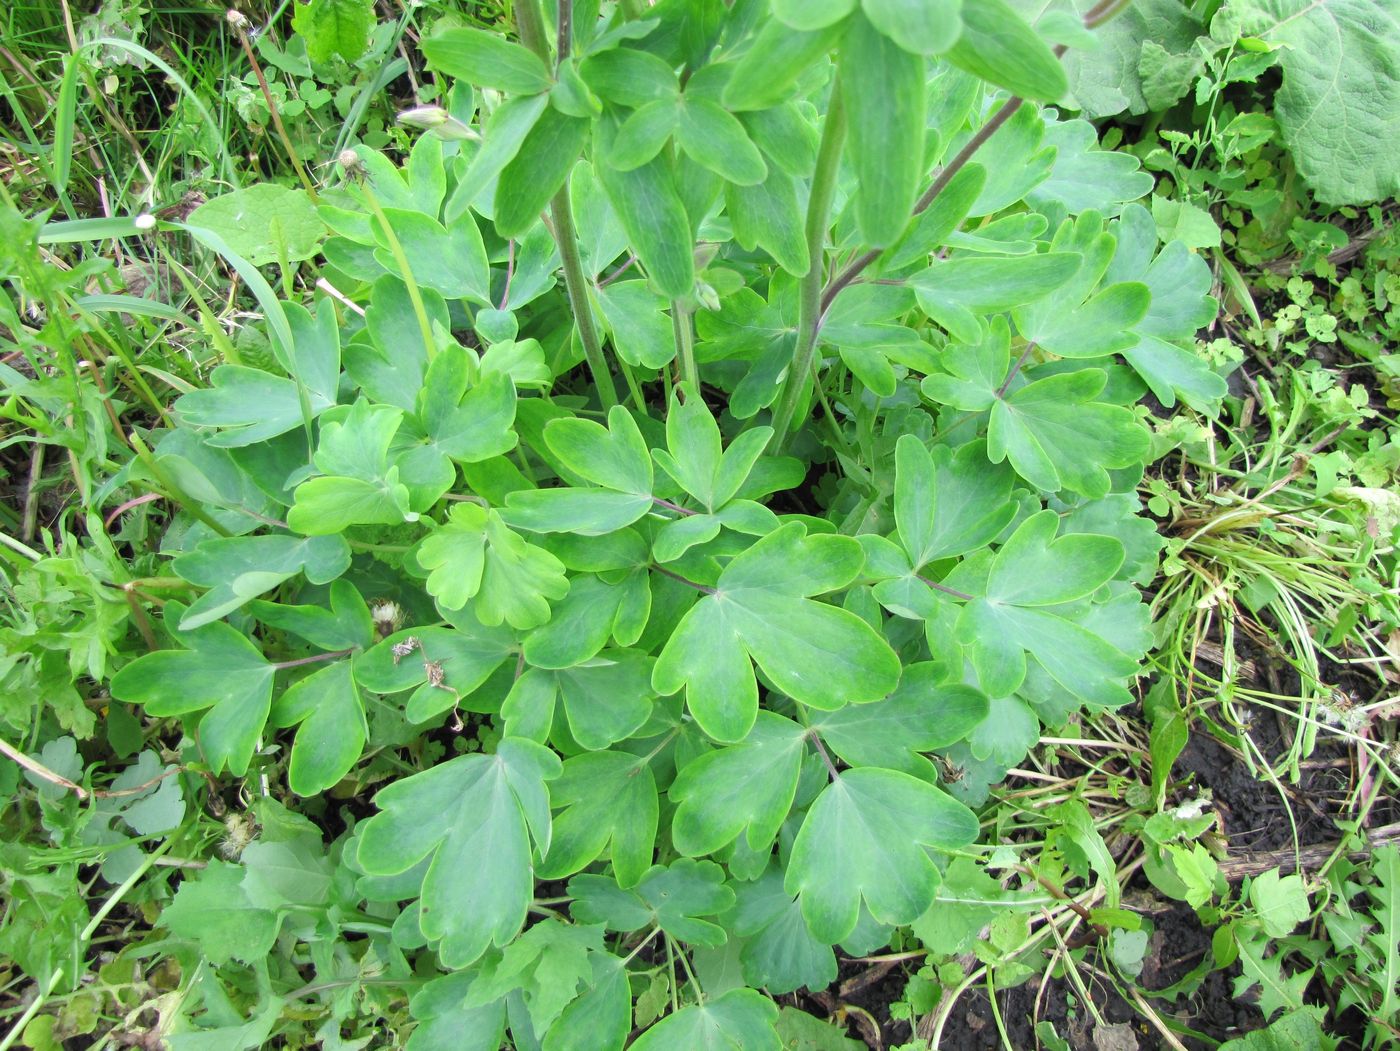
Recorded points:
(693,456)
(641,329)
(779,953)
(883,820)
(614,457)
(332,731)
(760,609)
(954,292)
(672,897)
(741,1018)
(221,671)
(444,664)
(605,700)
(748,786)
(921,715)
(475,816)
(238,569)
(1058,436)
(1030,578)
(883,90)
(609,803)
(948,503)
(475,557)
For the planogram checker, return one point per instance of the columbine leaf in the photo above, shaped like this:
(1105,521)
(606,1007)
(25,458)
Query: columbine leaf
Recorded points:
(487,60)
(955,291)
(948,503)
(1030,575)
(921,715)
(882,821)
(464,420)
(694,459)
(768,216)
(442,665)
(651,211)
(248,405)
(925,27)
(537,170)
(332,731)
(883,90)
(609,803)
(601,1018)
(998,45)
(238,569)
(446,1023)
(604,700)
(818,654)
(545,966)
(614,457)
(221,671)
(779,952)
(671,896)
(476,817)
(766,72)
(712,137)
(1058,436)
(476,556)
(749,786)
(741,1018)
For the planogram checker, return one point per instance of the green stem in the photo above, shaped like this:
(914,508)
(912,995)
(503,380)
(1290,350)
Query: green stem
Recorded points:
(530,26)
(685,345)
(425,327)
(566,237)
(810,292)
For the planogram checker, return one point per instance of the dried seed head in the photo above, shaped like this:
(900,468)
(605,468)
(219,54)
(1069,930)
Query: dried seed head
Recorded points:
(237,19)
(388,618)
(239,831)
(349,160)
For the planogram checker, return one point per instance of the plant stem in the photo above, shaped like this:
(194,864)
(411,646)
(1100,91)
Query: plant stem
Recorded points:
(566,237)
(241,31)
(685,346)
(809,303)
(944,177)
(530,26)
(314,659)
(415,297)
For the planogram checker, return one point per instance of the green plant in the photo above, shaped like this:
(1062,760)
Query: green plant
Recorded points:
(679,669)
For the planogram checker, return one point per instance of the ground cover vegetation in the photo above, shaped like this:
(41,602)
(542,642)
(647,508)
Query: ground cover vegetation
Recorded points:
(771,524)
